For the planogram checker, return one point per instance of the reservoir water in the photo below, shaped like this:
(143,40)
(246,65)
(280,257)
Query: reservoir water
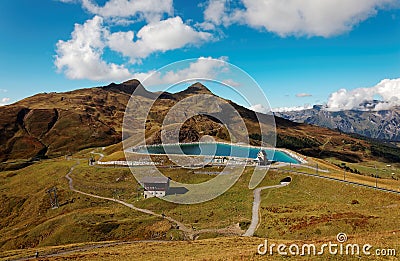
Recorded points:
(216,149)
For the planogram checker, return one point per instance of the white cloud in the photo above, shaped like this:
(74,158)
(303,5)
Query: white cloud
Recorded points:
(388,90)
(302,95)
(3,90)
(231,82)
(293,17)
(259,108)
(81,56)
(294,108)
(206,26)
(216,12)
(202,68)
(4,101)
(219,12)
(160,36)
(150,10)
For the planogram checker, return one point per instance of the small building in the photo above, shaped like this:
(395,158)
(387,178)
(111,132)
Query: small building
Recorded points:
(155,186)
(262,158)
(219,160)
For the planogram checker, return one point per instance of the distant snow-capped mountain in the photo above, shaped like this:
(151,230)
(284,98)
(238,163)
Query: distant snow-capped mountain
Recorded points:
(381,124)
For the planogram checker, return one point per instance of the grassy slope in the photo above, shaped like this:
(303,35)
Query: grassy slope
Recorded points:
(310,208)
(366,175)
(28,221)
(314,209)
(230,248)
(236,201)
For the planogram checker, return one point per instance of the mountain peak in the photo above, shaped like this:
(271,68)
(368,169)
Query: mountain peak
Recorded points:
(198,88)
(129,87)
(132,82)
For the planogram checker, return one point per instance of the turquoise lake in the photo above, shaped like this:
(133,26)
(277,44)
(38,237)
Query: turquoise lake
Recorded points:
(216,149)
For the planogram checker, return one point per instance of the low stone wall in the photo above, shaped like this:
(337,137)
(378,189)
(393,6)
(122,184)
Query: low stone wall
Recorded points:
(127,163)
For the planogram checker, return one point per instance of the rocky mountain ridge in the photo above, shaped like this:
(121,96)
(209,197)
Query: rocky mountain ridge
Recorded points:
(58,124)
(382,125)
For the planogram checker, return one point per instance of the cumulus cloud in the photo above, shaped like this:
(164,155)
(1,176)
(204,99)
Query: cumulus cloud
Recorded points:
(202,68)
(150,10)
(231,82)
(260,108)
(359,99)
(215,12)
(292,17)
(302,95)
(4,101)
(81,56)
(160,36)
(218,12)
(294,108)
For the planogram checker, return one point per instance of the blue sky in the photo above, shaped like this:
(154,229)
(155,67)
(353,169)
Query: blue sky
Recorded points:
(300,53)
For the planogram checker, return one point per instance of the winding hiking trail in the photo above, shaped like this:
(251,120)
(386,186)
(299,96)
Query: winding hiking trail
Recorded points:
(256,208)
(190,233)
(100,154)
(182,227)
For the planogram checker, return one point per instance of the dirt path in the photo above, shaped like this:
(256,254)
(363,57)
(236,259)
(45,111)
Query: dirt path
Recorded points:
(100,154)
(189,232)
(256,209)
(323,145)
(72,250)
(182,227)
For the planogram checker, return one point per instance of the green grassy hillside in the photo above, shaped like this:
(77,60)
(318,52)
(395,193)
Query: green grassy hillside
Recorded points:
(308,209)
